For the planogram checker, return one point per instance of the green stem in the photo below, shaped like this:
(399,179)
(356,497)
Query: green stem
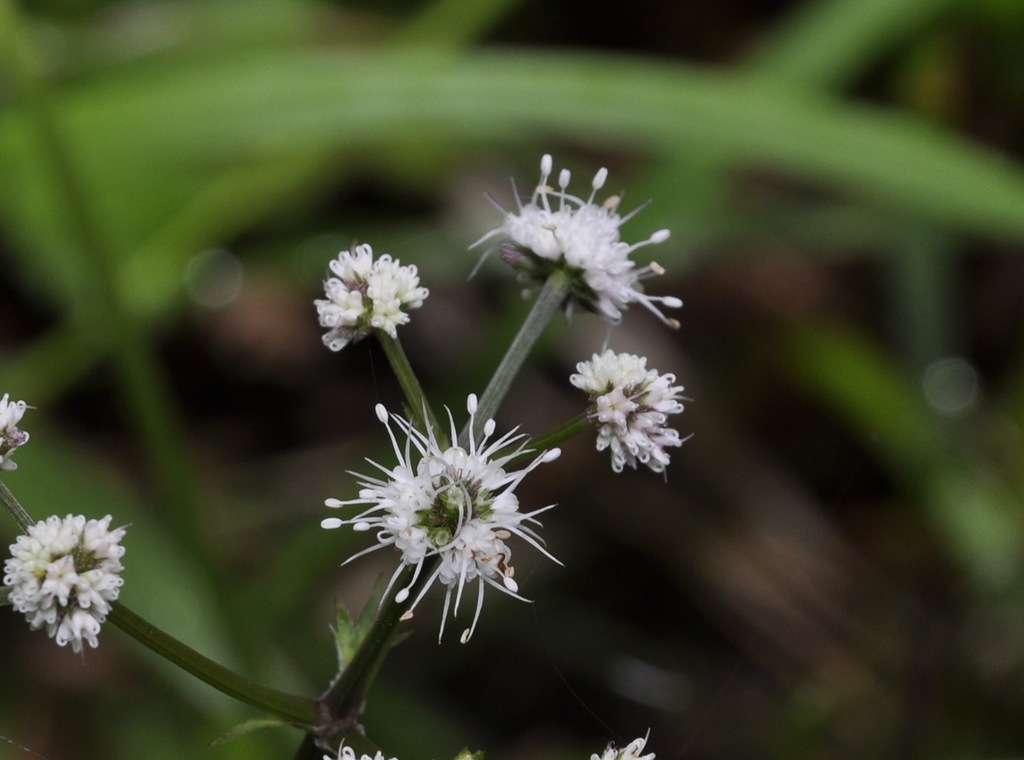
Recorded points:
(344,699)
(548,302)
(98,300)
(343,702)
(569,429)
(301,711)
(420,411)
(14,508)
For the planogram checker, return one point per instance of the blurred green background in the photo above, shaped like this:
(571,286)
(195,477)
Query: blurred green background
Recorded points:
(834,567)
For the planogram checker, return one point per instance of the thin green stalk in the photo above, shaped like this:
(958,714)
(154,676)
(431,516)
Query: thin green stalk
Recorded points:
(343,701)
(14,508)
(924,297)
(301,711)
(419,409)
(100,306)
(548,302)
(569,429)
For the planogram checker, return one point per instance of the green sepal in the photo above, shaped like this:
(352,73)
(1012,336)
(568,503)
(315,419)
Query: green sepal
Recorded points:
(5,596)
(346,637)
(467,755)
(349,634)
(256,724)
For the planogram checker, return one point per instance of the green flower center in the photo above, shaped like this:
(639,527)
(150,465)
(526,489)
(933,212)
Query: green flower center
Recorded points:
(456,502)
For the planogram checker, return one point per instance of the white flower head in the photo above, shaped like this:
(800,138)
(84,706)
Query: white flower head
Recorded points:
(367,293)
(11,437)
(64,574)
(558,230)
(630,405)
(630,752)
(347,753)
(456,504)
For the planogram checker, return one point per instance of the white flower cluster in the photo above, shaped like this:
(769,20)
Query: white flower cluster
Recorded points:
(63,574)
(10,436)
(630,405)
(347,753)
(583,237)
(367,294)
(453,503)
(630,752)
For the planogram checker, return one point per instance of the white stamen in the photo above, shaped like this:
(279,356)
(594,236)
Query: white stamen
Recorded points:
(471,547)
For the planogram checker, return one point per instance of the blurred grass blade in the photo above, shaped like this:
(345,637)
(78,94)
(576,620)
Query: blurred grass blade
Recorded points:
(283,103)
(971,511)
(871,395)
(453,24)
(826,44)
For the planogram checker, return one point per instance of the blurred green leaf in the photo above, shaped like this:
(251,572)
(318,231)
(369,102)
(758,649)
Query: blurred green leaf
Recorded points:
(350,633)
(453,23)
(873,396)
(191,123)
(961,499)
(825,44)
(256,724)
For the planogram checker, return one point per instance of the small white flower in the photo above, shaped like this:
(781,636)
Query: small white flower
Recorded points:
(455,504)
(347,753)
(630,405)
(10,436)
(367,294)
(64,573)
(582,238)
(630,752)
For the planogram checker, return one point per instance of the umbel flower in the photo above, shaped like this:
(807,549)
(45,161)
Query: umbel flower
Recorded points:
(347,753)
(630,405)
(365,294)
(557,230)
(63,574)
(453,503)
(630,752)
(11,437)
